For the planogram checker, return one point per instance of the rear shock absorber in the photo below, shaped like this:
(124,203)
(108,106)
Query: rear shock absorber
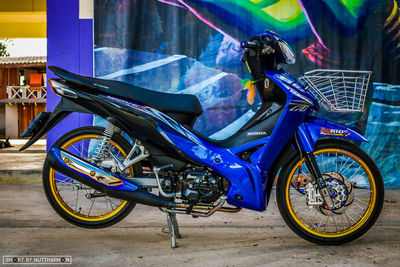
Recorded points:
(105,145)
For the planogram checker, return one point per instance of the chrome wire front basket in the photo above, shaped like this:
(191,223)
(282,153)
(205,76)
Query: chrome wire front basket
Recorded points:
(338,90)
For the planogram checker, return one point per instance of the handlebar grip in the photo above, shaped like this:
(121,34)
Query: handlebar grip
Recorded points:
(247,44)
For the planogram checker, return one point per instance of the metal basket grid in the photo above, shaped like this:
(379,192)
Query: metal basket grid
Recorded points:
(338,90)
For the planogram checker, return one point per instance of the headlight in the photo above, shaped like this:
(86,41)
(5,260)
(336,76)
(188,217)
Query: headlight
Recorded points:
(287,52)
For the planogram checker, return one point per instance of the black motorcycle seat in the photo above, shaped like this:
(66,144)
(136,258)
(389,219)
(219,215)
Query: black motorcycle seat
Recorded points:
(166,102)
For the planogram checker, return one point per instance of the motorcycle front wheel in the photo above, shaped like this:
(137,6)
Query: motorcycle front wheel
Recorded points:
(356,187)
(80,204)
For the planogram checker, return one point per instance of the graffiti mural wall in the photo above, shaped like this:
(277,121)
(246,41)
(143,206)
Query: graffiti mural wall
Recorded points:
(192,47)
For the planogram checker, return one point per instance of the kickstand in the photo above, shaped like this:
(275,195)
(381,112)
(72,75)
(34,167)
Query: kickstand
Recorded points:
(173,229)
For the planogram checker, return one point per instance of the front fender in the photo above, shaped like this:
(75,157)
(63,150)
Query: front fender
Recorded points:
(313,129)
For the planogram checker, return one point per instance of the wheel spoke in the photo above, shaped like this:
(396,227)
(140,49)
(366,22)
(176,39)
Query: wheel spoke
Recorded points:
(362,202)
(347,167)
(354,213)
(73,146)
(354,173)
(76,201)
(320,164)
(333,218)
(336,162)
(340,169)
(91,206)
(358,206)
(347,216)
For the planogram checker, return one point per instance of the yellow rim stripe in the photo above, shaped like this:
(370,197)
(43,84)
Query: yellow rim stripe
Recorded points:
(392,14)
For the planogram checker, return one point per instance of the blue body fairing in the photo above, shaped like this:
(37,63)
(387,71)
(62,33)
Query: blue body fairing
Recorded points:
(244,177)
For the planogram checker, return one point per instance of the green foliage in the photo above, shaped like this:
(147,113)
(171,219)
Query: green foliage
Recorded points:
(3,48)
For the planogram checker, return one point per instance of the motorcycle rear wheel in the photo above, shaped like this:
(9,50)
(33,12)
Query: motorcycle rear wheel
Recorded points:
(68,197)
(344,166)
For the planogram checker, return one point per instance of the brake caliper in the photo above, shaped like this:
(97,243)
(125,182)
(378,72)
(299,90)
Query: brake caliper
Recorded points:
(342,194)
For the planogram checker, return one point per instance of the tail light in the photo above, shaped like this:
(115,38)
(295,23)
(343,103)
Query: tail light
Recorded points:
(61,89)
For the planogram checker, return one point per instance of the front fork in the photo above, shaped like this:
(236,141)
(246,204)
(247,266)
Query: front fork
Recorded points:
(317,175)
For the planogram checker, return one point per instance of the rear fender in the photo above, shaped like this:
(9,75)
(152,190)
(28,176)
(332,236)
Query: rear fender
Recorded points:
(314,129)
(45,121)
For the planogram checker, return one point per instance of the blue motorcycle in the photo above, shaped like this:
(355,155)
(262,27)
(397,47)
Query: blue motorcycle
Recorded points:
(328,190)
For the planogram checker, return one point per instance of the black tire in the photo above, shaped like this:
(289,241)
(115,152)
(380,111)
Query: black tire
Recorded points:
(298,226)
(121,214)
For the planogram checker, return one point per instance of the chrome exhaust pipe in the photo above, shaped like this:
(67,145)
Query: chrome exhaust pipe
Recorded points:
(109,184)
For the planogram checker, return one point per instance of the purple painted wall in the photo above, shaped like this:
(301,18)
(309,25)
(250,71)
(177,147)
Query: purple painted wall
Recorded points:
(69,46)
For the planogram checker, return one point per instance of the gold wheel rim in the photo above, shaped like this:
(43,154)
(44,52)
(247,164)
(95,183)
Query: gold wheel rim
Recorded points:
(60,200)
(353,228)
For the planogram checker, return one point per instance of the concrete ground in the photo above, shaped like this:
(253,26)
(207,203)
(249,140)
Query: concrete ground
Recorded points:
(23,167)
(38,147)
(28,226)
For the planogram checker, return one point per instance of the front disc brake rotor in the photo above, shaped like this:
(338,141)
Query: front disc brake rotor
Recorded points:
(342,193)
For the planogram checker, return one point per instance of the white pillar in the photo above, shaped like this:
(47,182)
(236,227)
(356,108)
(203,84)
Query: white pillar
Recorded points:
(2,119)
(12,121)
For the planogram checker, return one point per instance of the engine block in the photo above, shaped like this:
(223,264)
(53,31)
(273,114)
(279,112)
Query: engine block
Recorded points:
(201,186)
